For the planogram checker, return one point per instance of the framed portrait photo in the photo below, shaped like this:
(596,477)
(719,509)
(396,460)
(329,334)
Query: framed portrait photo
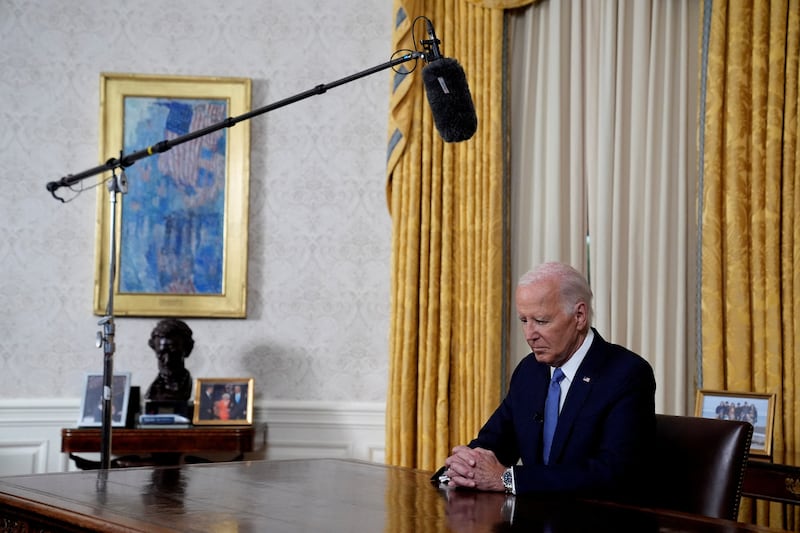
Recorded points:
(181,226)
(94,393)
(223,401)
(758,409)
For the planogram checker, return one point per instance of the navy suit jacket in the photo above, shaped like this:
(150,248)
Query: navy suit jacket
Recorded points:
(605,430)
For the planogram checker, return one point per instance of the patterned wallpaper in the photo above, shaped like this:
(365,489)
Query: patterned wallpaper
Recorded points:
(320,232)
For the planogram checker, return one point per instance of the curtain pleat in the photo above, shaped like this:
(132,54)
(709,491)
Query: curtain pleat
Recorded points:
(789,362)
(749,224)
(448,282)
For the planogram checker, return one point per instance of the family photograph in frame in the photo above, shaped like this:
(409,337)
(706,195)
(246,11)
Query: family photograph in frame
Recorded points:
(92,399)
(181,226)
(223,401)
(758,409)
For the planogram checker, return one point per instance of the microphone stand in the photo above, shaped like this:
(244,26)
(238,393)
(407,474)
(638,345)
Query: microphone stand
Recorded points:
(118,185)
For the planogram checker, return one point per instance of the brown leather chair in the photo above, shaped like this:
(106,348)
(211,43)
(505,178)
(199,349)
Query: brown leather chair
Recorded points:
(700,464)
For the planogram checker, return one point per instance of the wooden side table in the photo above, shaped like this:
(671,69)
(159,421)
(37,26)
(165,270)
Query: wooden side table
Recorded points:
(776,479)
(165,446)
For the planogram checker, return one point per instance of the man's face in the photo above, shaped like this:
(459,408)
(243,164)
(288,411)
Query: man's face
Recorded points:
(552,333)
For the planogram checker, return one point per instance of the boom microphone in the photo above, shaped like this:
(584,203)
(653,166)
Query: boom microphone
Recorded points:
(448,93)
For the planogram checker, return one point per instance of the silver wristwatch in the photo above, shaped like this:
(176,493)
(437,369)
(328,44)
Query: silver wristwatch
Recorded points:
(508,480)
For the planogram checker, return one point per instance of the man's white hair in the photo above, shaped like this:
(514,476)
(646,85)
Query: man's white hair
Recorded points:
(573,285)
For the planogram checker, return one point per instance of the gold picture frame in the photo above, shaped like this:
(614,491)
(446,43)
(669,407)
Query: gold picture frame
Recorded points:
(182,225)
(758,409)
(216,401)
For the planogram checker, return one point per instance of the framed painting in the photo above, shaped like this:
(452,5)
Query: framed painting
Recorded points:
(758,409)
(223,401)
(181,224)
(93,395)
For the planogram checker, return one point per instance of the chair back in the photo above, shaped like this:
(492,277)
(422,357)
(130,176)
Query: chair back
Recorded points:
(700,464)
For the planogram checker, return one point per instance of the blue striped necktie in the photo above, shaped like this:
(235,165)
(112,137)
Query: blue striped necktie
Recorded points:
(551,412)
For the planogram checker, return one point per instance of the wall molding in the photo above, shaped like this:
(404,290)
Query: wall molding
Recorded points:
(30,432)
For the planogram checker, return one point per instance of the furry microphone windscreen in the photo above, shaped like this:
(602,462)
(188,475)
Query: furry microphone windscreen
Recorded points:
(450,100)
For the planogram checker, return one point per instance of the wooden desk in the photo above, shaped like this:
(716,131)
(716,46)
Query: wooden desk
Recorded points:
(164,446)
(775,480)
(327,495)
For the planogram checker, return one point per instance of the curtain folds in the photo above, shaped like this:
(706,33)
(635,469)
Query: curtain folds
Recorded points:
(448,242)
(750,202)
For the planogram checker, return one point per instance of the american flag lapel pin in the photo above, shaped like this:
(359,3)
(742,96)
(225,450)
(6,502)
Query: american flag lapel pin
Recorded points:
(586,379)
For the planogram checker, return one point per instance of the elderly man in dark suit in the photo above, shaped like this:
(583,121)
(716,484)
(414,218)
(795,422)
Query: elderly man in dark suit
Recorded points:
(606,398)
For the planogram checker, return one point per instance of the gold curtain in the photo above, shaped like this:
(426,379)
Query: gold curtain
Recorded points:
(750,203)
(447,202)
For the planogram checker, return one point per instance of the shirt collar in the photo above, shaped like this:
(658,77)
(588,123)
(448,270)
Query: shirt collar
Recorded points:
(570,368)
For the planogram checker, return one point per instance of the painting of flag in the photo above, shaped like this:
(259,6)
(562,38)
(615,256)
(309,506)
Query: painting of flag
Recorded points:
(180,226)
(173,214)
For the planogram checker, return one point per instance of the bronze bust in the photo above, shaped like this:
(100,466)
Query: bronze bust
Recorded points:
(172,342)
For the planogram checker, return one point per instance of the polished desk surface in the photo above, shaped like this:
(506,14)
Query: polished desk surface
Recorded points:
(326,495)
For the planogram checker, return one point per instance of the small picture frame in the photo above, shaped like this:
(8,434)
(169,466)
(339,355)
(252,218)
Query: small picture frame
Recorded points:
(223,401)
(93,395)
(758,409)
